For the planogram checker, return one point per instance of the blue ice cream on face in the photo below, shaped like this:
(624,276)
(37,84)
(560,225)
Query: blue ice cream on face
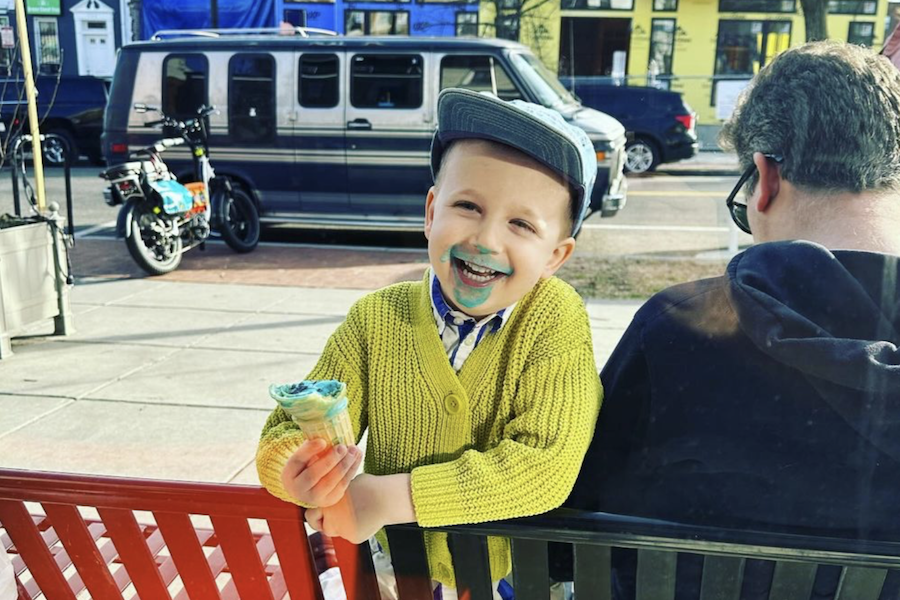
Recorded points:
(311,400)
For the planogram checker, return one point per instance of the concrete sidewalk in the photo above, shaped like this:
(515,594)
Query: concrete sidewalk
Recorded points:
(168,379)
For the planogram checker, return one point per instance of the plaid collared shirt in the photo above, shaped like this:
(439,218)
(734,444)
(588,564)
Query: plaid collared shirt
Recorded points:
(459,332)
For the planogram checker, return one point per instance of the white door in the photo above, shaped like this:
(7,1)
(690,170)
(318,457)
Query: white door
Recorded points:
(99,55)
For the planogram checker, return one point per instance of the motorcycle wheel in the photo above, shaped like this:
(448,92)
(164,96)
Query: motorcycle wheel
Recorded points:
(154,255)
(238,219)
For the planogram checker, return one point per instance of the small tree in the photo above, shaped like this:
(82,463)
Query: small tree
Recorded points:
(815,15)
(509,19)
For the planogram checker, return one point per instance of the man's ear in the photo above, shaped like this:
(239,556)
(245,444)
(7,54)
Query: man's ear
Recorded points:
(429,211)
(769,183)
(561,254)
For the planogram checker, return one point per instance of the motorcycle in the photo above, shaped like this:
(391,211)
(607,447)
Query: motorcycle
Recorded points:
(161,218)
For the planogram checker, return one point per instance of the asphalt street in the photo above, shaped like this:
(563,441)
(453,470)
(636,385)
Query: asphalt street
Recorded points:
(672,211)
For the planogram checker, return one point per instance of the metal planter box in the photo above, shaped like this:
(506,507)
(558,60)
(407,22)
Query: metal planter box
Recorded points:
(30,290)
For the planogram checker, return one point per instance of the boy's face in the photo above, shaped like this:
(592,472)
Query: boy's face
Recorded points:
(496,224)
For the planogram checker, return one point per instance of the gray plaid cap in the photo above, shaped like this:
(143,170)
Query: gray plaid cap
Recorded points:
(539,132)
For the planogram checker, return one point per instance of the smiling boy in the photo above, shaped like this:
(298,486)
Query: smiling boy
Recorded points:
(477,385)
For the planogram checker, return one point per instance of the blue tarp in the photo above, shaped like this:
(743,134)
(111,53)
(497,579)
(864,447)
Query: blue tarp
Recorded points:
(195,14)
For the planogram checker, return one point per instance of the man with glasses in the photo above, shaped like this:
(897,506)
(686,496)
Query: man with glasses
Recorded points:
(769,398)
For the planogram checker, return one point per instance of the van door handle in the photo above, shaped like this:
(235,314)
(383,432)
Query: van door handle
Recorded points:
(359,125)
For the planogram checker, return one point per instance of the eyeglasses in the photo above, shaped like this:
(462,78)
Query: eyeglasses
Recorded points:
(738,210)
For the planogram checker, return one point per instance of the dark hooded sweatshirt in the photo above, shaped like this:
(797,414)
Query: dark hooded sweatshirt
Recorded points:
(766,398)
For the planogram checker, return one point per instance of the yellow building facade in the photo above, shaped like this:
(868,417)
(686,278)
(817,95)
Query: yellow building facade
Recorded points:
(705,49)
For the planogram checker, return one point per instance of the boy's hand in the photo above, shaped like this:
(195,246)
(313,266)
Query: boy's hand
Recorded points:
(371,502)
(317,475)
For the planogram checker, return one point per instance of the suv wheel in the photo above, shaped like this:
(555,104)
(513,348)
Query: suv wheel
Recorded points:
(57,144)
(640,156)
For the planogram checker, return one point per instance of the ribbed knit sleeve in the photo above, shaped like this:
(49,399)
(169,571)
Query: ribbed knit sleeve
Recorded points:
(534,466)
(344,359)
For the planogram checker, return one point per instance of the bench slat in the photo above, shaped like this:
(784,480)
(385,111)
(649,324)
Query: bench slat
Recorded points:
(471,566)
(722,578)
(793,581)
(593,570)
(410,563)
(29,543)
(860,583)
(242,556)
(656,575)
(184,547)
(295,558)
(357,570)
(531,569)
(133,549)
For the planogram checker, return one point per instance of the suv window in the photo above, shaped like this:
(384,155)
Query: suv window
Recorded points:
(386,81)
(475,73)
(318,80)
(184,88)
(251,97)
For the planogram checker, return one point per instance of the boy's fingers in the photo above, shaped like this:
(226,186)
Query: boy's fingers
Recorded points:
(330,486)
(327,462)
(304,455)
(314,518)
(338,491)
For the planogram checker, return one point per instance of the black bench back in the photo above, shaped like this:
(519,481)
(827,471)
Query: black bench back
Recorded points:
(723,556)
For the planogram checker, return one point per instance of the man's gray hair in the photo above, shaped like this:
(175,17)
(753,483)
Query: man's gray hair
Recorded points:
(832,110)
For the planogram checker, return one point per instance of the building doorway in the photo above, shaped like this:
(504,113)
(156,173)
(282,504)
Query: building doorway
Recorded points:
(587,45)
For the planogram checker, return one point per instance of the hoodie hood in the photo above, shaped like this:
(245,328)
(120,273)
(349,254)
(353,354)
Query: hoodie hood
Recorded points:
(834,316)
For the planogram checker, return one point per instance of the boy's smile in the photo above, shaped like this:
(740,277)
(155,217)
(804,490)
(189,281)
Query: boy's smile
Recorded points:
(496,224)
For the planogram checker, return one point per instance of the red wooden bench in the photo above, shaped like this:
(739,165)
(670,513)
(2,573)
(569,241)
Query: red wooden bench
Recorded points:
(60,551)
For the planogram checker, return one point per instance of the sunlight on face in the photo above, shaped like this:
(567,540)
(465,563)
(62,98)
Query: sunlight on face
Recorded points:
(496,223)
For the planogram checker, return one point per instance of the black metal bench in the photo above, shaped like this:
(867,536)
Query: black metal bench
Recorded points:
(861,566)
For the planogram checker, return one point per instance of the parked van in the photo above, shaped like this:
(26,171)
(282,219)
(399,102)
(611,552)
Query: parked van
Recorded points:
(333,130)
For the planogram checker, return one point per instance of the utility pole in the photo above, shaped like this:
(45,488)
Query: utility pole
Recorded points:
(33,122)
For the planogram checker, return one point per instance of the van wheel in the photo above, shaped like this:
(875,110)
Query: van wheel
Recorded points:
(56,146)
(641,156)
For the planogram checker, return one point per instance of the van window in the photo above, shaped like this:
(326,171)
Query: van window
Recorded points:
(386,81)
(184,84)
(251,97)
(318,80)
(474,73)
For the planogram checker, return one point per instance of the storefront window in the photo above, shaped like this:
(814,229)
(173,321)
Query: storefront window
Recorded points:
(508,27)
(783,6)
(861,33)
(47,46)
(599,4)
(5,53)
(744,47)
(852,7)
(467,23)
(662,46)
(892,19)
(377,22)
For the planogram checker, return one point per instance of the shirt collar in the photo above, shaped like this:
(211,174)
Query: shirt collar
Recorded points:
(444,315)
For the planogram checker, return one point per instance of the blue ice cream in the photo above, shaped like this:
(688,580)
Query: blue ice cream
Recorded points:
(311,400)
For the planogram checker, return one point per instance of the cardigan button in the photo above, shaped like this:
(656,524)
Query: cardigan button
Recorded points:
(452,404)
